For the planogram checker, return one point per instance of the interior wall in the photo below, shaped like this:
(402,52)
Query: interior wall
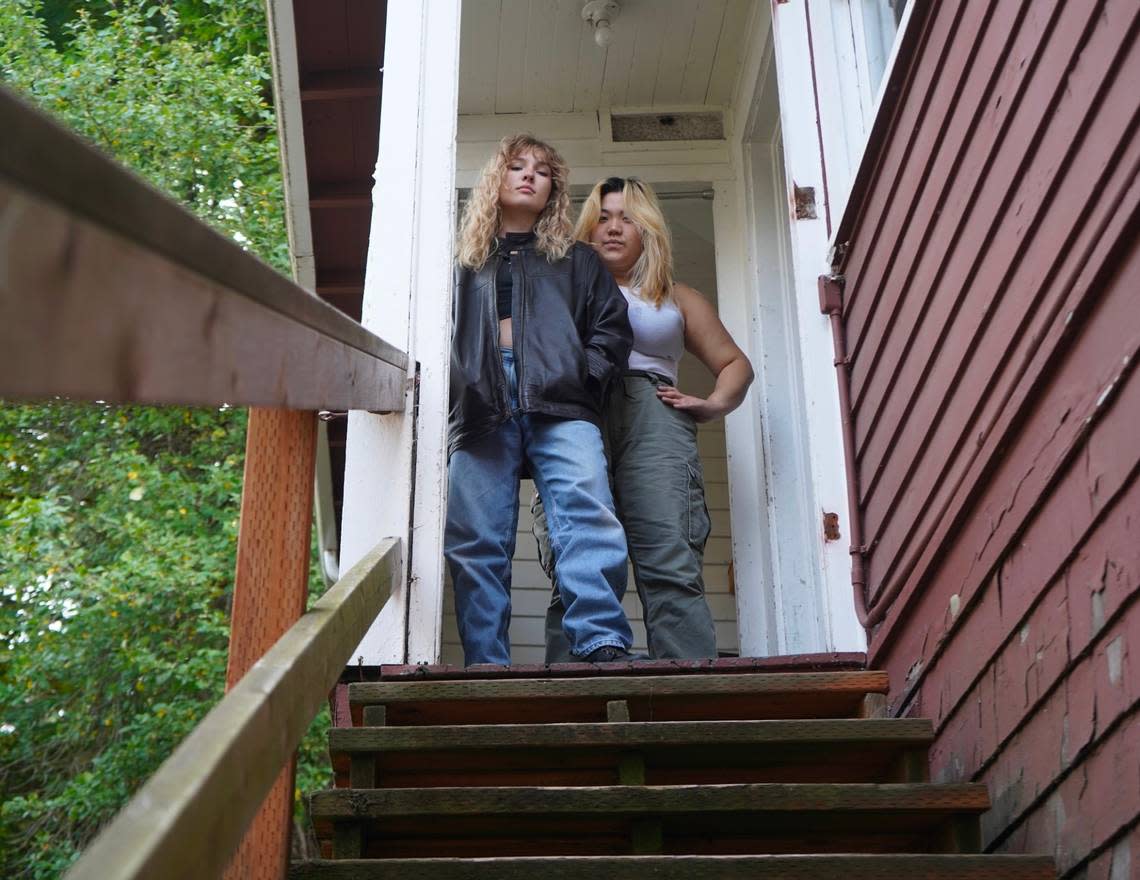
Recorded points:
(691,223)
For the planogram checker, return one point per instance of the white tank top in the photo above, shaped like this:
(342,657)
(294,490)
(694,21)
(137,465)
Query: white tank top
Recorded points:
(658,335)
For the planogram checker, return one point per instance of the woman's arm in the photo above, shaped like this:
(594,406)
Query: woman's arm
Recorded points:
(706,337)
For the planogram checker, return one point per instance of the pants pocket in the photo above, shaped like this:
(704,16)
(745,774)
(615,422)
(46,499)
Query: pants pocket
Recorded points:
(699,522)
(541,533)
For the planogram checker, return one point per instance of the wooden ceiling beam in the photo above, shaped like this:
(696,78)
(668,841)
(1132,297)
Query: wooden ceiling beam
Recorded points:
(341,85)
(346,194)
(342,282)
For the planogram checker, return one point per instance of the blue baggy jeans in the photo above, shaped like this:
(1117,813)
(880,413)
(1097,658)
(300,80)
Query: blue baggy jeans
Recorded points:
(660,497)
(568,464)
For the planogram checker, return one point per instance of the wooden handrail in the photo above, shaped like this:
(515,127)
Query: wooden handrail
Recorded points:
(109,290)
(188,819)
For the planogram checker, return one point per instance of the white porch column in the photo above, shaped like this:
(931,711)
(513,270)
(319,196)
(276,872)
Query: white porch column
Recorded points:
(757,588)
(816,156)
(395,464)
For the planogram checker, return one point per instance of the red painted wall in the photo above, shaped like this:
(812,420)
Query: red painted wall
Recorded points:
(992,314)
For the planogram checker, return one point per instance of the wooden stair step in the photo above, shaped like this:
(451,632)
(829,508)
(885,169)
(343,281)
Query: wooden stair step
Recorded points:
(617,820)
(770,867)
(649,698)
(824,662)
(670,752)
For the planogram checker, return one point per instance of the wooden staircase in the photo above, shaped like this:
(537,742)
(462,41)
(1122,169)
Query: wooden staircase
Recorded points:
(655,774)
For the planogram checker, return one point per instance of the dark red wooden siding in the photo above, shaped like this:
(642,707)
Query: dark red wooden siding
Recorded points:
(992,314)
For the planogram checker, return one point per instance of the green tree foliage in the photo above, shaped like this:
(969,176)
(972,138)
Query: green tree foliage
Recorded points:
(118,529)
(189,113)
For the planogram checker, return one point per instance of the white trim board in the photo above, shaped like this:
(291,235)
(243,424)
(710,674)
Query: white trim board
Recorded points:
(407,294)
(295,184)
(583,139)
(810,141)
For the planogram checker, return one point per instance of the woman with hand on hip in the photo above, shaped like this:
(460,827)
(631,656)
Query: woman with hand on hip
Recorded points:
(539,328)
(651,425)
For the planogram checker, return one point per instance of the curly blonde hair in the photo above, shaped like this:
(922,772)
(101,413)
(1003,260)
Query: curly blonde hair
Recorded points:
(554,233)
(652,274)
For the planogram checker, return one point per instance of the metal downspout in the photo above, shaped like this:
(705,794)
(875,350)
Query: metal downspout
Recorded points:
(831,304)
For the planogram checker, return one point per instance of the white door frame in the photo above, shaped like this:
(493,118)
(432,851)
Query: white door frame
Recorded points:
(785,450)
(395,464)
(788,602)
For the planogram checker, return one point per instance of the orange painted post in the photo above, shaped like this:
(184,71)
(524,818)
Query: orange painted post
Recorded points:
(270,591)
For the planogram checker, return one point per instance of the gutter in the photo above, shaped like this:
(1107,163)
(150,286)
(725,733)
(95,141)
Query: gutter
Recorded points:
(896,82)
(831,304)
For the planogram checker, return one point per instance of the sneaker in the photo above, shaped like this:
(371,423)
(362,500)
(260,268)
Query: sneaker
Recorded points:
(611,654)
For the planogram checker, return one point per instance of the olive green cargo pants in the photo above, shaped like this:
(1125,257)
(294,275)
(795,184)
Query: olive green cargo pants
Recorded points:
(660,498)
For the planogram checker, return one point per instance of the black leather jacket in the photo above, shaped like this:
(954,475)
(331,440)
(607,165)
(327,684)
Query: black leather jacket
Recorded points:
(570,334)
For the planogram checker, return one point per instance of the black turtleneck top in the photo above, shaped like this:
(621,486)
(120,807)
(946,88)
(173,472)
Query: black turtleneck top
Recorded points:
(509,242)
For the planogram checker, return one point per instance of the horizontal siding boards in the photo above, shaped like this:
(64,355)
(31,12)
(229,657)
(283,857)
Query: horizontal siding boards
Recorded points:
(945,234)
(964,439)
(933,415)
(1118,859)
(878,211)
(1071,805)
(972,97)
(992,307)
(1032,663)
(1089,405)
(971,356)
(988,720)
(1033,635)
(946,86)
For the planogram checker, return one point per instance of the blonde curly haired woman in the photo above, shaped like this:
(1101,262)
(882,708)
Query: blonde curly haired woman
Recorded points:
(539,328)
(651,425)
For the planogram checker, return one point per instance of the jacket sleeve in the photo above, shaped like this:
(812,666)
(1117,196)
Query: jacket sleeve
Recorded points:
(609,337)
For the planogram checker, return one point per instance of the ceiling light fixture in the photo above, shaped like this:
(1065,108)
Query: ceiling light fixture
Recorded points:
(601,14)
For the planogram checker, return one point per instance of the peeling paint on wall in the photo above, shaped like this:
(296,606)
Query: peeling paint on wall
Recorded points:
(1121,861)
(1114,654)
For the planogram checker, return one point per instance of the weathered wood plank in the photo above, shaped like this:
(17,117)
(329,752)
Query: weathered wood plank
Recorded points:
(362,771)
(49,162)
(694,819)
(89,314)
(617,688)
(672,753)
(188,819)
(854,661)
(901,732)
(647,837)
(631,771)
(679,867)
(641,800)
(690,764)
(666,698)
(348,840)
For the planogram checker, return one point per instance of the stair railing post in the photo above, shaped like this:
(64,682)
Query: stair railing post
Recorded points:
(270,593)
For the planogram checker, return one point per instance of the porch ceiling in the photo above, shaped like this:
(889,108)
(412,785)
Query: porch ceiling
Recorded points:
(340,50)
(539,56)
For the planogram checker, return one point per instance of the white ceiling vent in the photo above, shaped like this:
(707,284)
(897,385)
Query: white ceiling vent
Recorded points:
(667,127)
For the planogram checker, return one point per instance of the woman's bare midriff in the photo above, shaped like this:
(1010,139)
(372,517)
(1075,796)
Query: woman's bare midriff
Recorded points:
(505,338)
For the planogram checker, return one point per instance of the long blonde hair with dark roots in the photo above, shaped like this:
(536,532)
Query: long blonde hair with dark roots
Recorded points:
(652,274)
(554,233)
